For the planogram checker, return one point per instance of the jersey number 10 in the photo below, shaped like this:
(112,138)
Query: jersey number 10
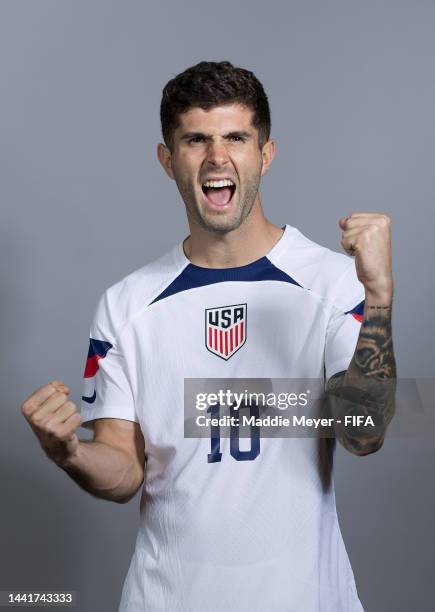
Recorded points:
(239,455)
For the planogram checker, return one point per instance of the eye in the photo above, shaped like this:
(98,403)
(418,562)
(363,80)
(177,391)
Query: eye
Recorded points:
(197,139)
(237,138)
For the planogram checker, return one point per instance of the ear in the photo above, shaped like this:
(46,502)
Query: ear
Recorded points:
(164,156)
(268,153)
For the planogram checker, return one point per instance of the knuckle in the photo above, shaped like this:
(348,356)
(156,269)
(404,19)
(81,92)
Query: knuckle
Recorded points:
(26,407)
(37,419)
(50,427)
(50,390)
(76,420)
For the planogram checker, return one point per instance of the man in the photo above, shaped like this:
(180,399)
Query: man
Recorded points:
(224,528)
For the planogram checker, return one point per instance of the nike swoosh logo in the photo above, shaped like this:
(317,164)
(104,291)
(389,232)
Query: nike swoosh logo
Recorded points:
(90,399)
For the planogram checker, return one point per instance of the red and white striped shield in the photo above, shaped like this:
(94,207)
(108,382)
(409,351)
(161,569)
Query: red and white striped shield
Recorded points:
(225,329)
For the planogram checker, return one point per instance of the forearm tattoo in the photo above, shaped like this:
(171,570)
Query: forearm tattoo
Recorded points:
(374,355)
(368,386)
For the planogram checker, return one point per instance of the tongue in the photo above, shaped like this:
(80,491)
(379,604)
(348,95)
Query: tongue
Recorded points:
(219,195)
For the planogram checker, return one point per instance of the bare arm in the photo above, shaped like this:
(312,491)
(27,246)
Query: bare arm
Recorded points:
(111,466)
(368,386)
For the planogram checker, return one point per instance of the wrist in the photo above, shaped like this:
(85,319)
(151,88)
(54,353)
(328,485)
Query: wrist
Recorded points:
(69,459)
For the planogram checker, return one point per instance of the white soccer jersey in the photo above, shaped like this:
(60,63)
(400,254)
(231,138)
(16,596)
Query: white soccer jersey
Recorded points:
(261,533)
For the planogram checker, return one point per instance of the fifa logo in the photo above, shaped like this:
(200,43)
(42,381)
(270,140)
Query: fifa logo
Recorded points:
(225,329)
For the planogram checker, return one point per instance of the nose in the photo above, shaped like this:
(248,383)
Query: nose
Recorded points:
(217,154)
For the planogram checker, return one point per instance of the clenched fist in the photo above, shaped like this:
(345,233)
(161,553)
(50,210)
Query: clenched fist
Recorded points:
(54,419)
(367,236)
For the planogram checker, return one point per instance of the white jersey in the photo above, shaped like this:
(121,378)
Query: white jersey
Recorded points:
(227,534)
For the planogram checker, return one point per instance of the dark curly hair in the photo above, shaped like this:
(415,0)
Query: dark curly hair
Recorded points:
(210,84)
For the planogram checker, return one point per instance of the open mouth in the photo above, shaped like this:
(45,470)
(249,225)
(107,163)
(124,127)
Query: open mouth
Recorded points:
(219,193)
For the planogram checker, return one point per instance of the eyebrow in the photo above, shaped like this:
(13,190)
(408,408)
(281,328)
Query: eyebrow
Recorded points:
(239,133)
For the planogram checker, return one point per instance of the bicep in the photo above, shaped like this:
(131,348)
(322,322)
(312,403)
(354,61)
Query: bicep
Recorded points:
(124,435)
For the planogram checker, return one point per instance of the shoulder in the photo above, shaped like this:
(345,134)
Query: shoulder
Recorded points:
(329,274)
(124,299)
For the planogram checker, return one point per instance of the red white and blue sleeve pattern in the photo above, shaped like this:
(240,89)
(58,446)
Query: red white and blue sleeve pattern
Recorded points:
(106,389)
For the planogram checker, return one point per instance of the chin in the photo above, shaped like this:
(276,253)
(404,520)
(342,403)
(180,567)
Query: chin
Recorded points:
(220,223)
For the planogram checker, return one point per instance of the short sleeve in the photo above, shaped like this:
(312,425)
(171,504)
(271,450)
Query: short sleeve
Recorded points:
(106,388)
(345,322)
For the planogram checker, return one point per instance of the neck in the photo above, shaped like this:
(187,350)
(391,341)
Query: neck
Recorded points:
(253,239)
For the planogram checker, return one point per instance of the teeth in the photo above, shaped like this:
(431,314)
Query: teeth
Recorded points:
(223,183)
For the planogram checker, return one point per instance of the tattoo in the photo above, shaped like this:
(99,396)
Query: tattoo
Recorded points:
(374,352)
(368,386)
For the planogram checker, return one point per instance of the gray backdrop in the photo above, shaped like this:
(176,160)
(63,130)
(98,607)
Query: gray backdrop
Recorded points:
(84,202)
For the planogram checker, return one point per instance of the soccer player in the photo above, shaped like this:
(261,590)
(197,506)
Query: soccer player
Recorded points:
(225,525)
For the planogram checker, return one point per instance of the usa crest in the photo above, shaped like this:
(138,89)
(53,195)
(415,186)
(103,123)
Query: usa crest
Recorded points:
(225,329)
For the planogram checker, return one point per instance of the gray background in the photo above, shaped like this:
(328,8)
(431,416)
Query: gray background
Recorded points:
(84,202)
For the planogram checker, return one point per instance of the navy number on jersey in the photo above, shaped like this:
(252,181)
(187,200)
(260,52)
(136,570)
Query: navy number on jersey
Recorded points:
(239,455)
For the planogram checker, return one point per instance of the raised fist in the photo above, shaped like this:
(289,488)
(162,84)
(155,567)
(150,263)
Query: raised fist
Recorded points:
(54,419)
